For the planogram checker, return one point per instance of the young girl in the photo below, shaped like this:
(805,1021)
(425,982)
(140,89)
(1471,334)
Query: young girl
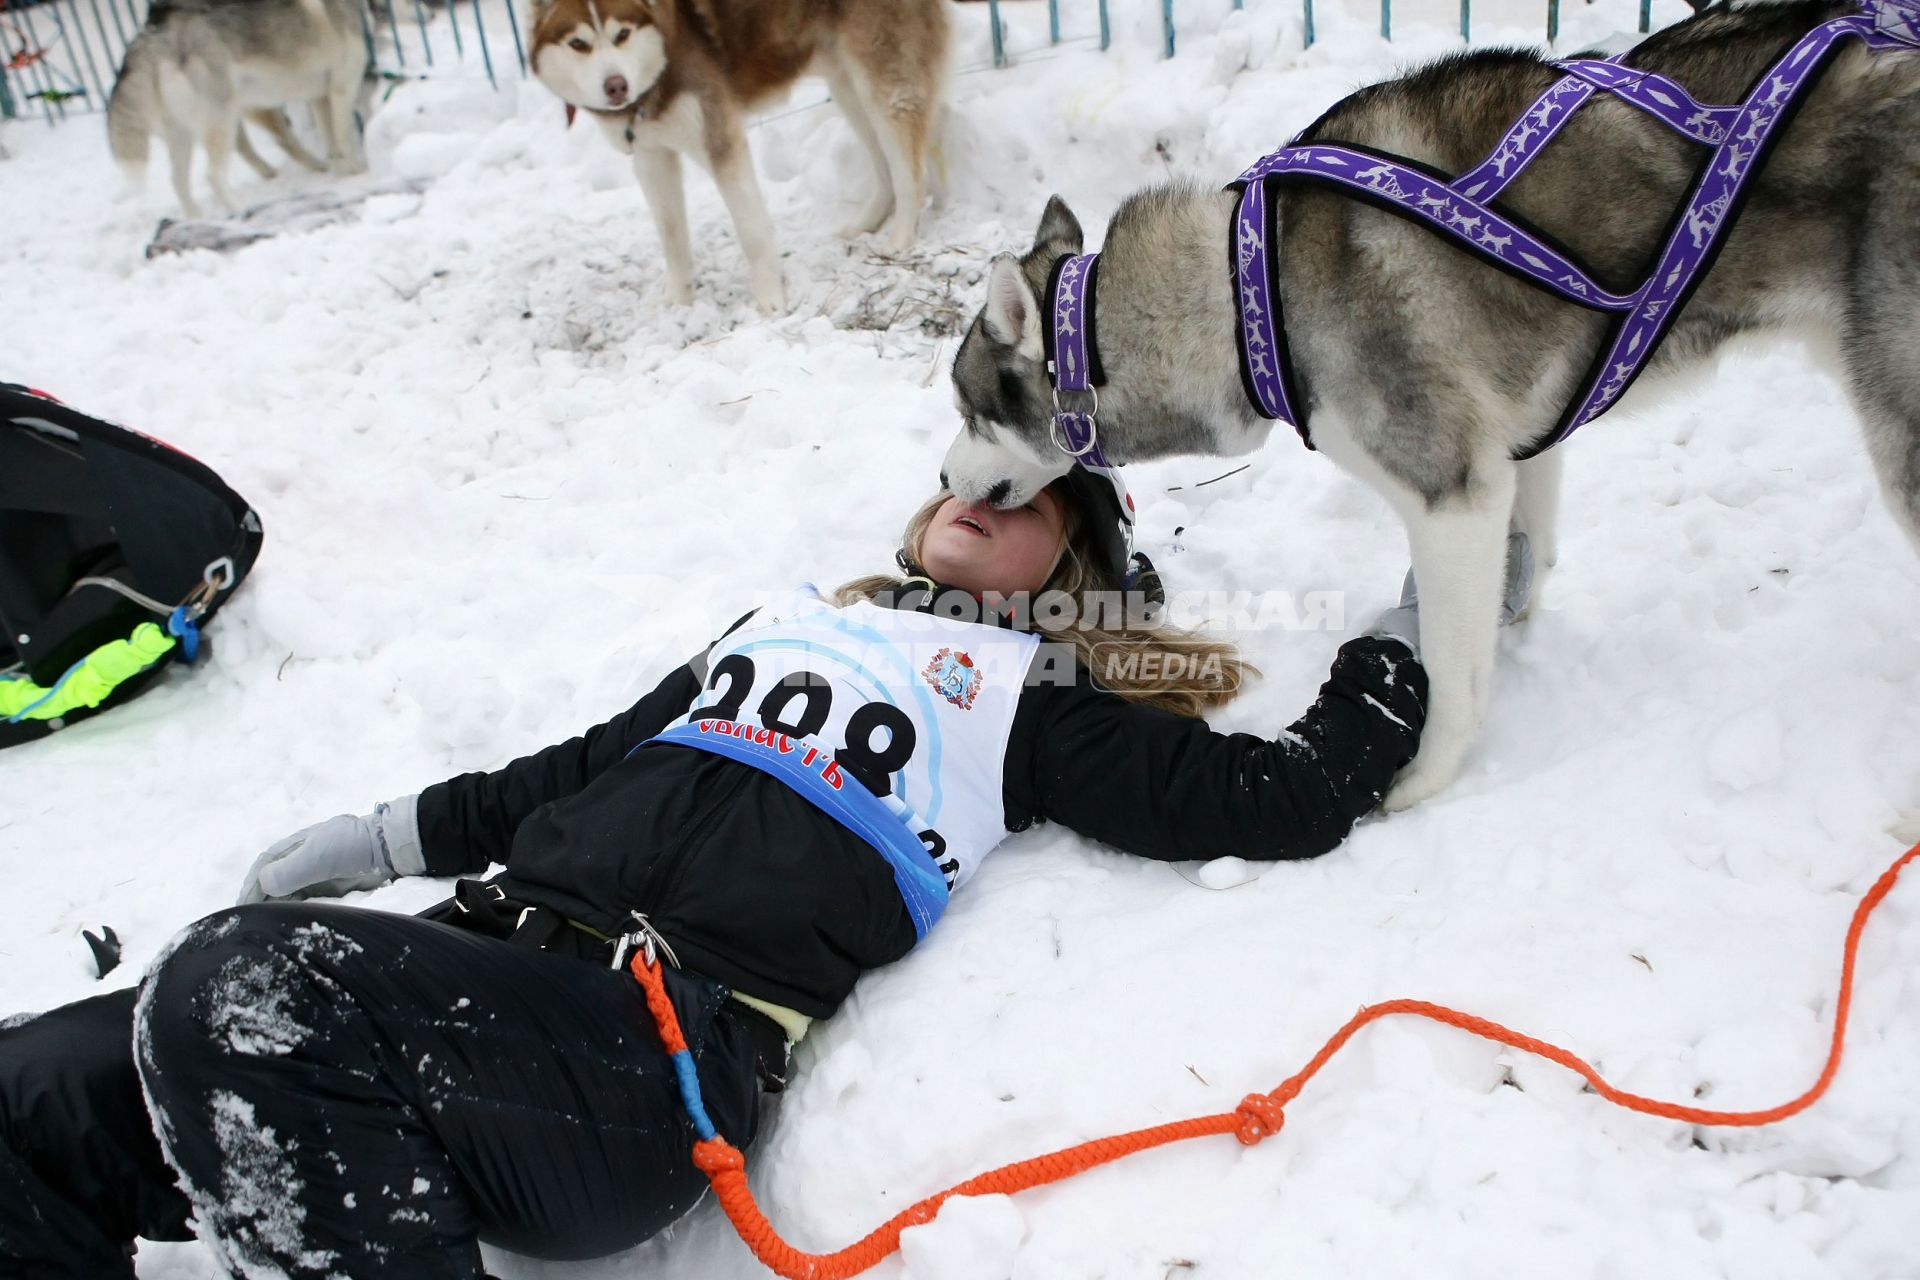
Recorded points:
(325,1090)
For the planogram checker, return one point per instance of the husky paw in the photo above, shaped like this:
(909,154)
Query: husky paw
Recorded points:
(677,291)
(869,219)
(898,237)
(770,295)
(1417,782)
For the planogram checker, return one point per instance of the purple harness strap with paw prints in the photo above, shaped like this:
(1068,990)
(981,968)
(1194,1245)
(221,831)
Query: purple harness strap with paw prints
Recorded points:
(1457,208)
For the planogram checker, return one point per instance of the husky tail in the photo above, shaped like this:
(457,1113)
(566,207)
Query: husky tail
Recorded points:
(130,111)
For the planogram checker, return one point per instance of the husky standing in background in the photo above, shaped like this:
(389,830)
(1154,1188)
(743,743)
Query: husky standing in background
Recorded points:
(667,78)
(1426,371)
(200,65)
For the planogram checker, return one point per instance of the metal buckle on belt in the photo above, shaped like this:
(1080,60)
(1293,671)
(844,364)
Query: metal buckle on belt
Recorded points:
(644,936)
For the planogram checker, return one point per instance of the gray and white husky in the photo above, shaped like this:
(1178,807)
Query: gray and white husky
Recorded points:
(198,66)
(1425,372)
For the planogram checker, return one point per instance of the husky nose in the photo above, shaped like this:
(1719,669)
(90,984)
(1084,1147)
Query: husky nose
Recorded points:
(997,495)
(616,89)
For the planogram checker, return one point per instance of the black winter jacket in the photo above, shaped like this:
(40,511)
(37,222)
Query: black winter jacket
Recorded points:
(755,887)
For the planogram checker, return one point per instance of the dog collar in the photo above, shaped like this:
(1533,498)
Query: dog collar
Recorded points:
(634,111)
(1073,359)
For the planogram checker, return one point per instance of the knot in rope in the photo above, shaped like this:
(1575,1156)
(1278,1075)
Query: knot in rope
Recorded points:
(1261,1116)
(717,1155)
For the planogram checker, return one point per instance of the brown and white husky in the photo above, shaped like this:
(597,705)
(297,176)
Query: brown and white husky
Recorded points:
(666,78)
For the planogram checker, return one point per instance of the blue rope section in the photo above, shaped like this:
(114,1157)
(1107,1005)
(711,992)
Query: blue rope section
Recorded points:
(690,1095)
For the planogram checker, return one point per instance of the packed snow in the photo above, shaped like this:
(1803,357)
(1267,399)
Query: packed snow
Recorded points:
(505,489)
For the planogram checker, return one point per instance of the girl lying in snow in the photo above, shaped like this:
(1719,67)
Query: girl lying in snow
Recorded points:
(324,1090)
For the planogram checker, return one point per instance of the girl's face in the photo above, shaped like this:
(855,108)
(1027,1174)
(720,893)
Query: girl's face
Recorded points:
(978,548)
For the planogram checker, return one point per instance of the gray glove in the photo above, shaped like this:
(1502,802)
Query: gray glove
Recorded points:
(340,855)
(1402,621)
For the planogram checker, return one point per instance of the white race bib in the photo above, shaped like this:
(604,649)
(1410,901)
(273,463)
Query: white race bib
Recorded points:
(916,707)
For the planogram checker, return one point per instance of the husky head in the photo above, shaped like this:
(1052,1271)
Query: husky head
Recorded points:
(600,54)
(1004,453)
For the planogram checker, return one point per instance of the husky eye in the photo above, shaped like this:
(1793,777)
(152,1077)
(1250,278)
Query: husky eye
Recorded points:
(579,46)
(620,36)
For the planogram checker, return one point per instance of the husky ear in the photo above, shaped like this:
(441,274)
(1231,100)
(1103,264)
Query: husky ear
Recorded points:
(1058,226)
(1012,315)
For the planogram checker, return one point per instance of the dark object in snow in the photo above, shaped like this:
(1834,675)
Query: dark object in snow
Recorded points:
(294,214)
(105,948)
(115,550)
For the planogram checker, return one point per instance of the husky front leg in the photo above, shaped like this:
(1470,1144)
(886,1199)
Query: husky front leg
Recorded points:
(658,170)
(1536,513)
(846,96)
(1459,561)
(342,130)
(740,189)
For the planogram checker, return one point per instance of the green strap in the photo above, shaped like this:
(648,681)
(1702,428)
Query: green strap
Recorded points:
(88,682)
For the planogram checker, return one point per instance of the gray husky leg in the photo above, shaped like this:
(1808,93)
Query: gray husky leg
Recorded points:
(180,158)
(1882,339)
(1459,559)
(335,112)
(243,147)
(280,129)
(1536,513)
(218,138)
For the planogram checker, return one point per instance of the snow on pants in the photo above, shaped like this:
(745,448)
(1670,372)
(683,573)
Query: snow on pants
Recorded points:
(344,1092)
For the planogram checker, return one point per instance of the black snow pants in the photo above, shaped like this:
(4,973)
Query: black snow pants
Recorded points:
(344,1092)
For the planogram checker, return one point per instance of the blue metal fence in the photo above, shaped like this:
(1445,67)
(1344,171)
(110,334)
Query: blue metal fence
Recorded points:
(61,56)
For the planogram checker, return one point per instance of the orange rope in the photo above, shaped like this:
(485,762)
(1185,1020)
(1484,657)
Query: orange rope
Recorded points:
(1260,1115)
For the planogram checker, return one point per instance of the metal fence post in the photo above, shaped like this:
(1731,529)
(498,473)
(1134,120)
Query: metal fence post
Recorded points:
(513,21)
(8,110)
(1646,16)
(1166,23)
(486,55)
(118,30)
(1053,21)
(426,44)
(1553,20)
(1386,19)
(1466,20)
(84,51)
(1106,27)
(1308,16)
(999,45)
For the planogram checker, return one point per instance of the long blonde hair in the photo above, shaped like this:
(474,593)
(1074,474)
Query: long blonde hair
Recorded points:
(1137,657)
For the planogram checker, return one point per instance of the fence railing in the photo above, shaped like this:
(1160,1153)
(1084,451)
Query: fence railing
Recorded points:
(60,57)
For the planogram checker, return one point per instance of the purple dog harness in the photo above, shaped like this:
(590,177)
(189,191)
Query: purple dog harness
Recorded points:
(1458,209)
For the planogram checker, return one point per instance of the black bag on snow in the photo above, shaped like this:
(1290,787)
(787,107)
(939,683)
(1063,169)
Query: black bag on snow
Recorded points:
(103,529)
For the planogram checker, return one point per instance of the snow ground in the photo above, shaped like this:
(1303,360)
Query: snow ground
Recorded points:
(505,488)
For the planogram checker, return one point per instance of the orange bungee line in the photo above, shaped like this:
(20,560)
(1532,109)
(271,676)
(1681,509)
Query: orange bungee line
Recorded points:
(1259,1115)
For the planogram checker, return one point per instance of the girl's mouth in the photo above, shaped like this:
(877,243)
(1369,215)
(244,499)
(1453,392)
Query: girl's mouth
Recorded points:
(968,522)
